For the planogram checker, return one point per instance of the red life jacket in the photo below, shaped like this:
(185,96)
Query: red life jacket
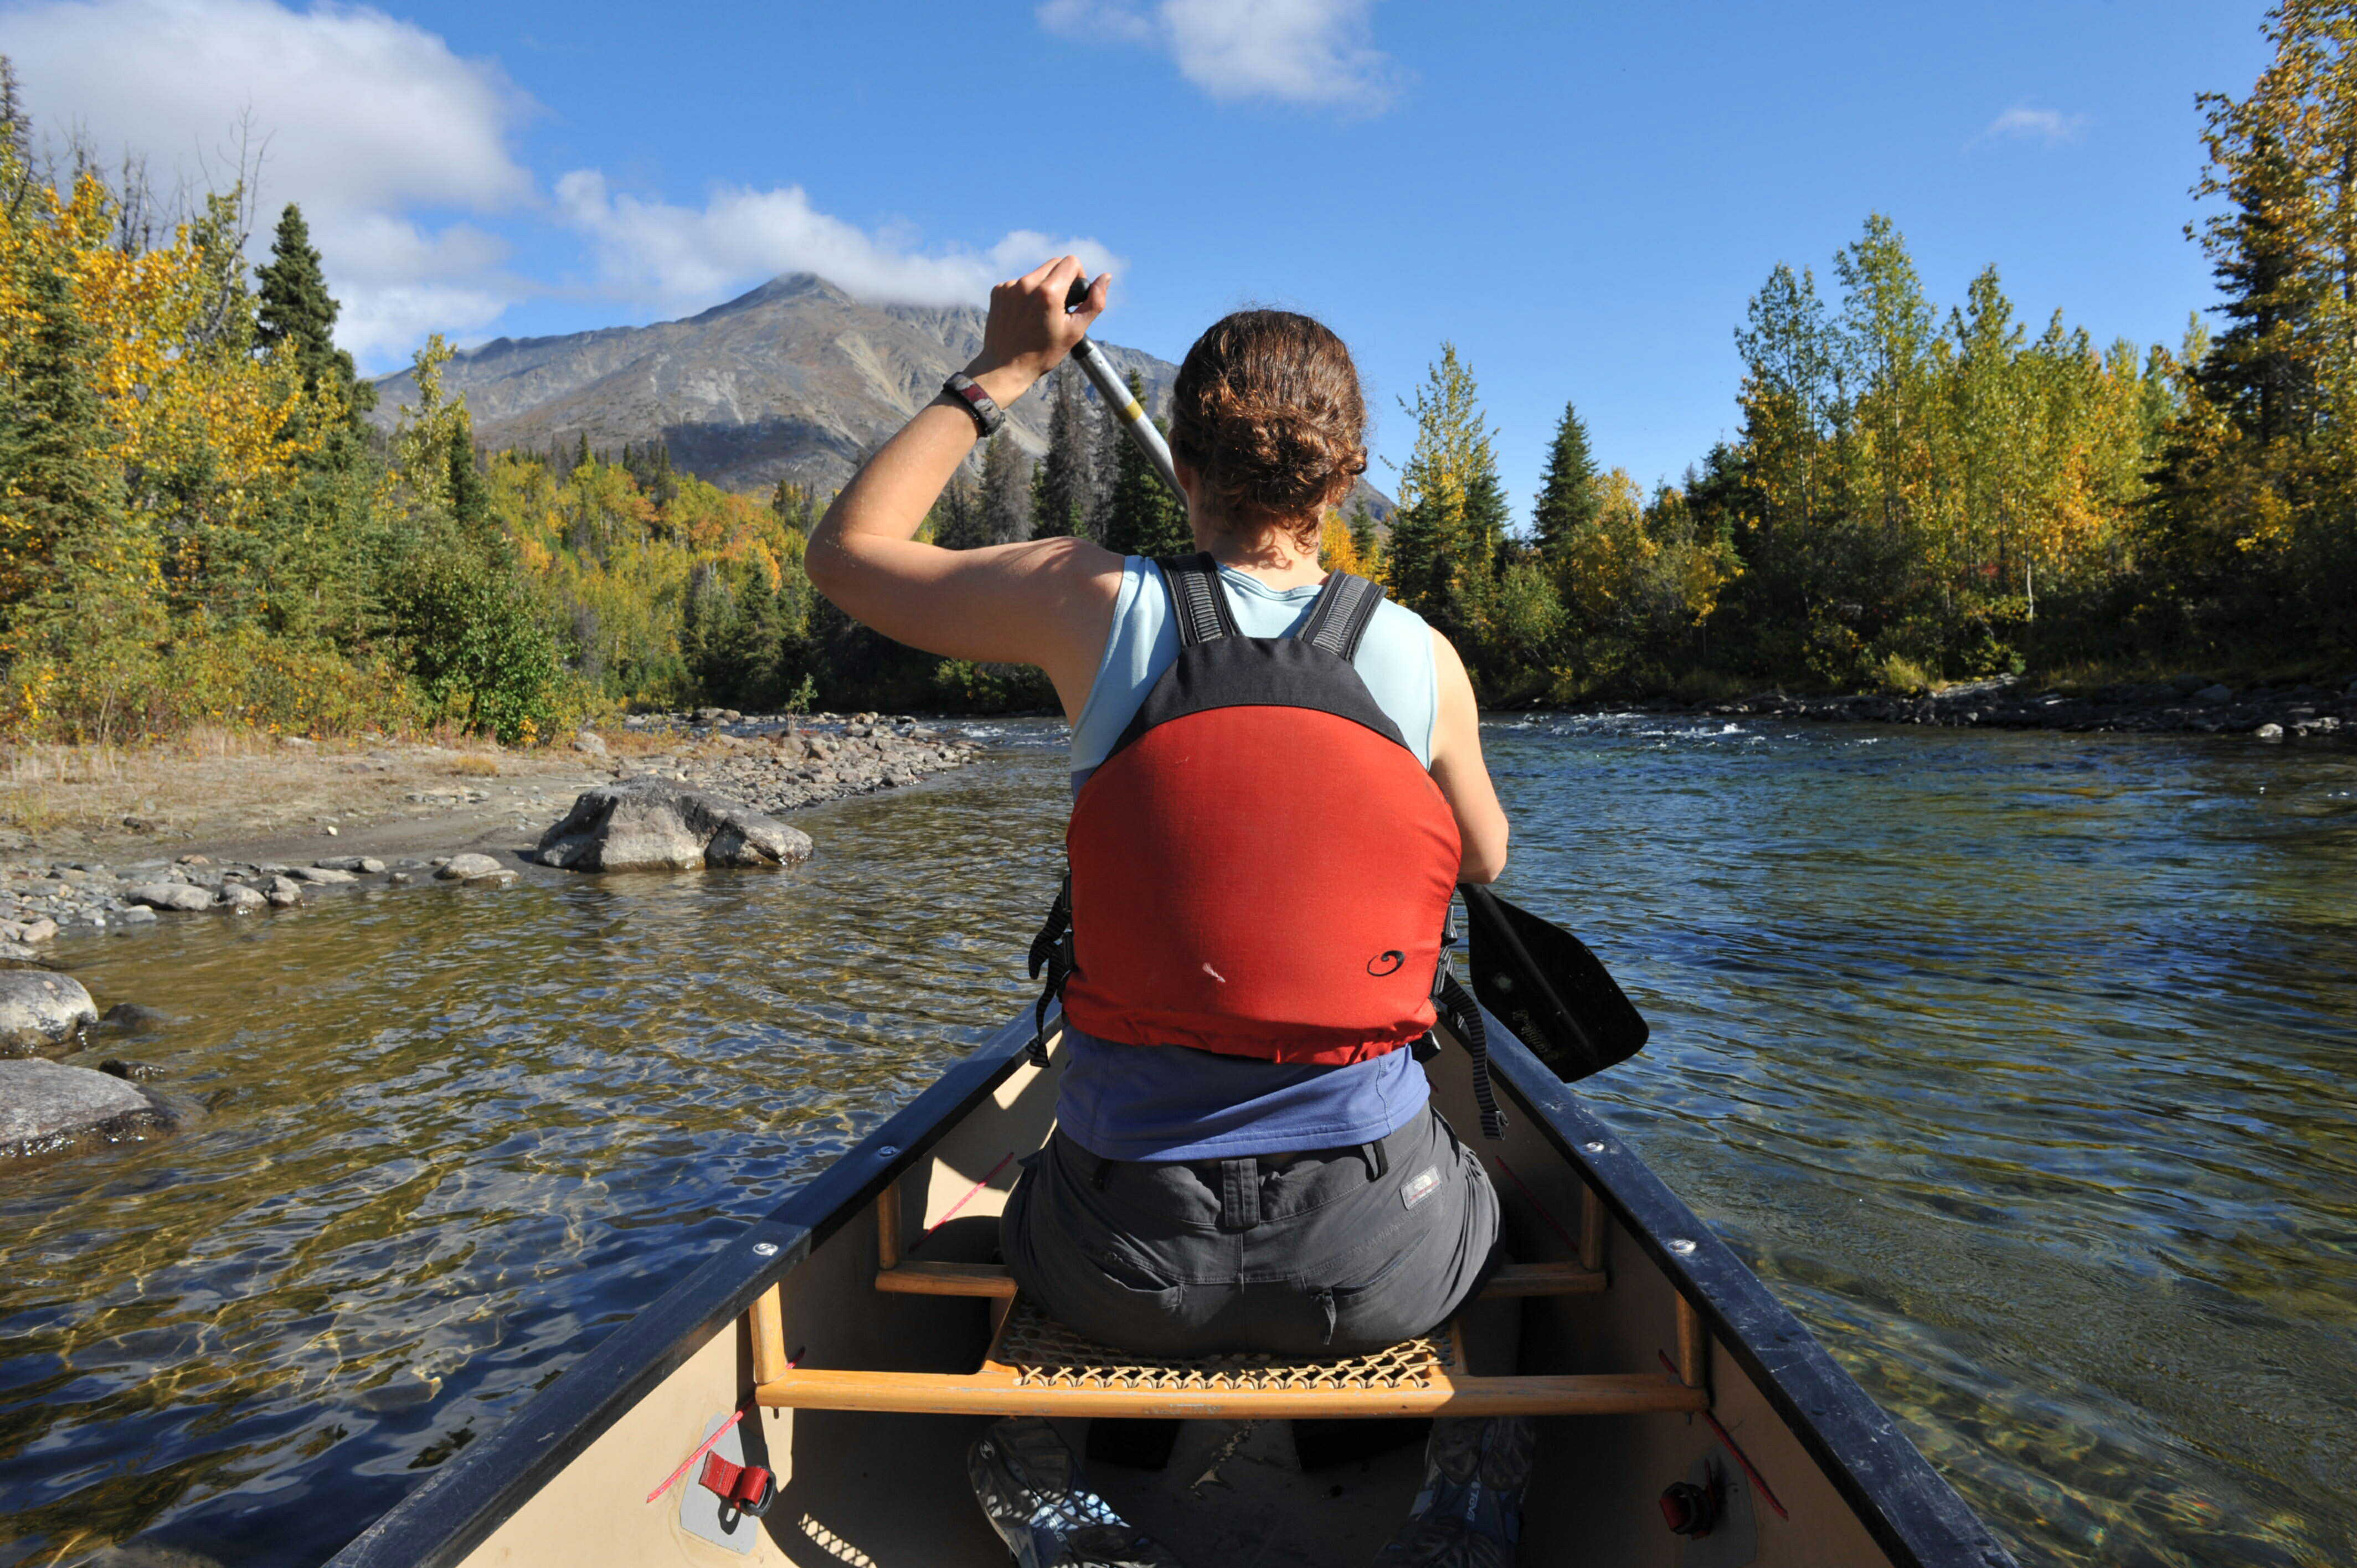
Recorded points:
(1260,868)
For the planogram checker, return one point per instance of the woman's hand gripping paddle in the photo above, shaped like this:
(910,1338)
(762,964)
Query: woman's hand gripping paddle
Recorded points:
(1549,989)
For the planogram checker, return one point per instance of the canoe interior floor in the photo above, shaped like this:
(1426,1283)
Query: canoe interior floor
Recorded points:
(1235,1493)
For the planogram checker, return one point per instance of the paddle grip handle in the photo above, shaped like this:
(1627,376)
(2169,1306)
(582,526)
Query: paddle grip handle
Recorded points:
(1129,410)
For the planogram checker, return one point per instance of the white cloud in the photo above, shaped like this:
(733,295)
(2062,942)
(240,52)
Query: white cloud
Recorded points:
(364,117)
(379,129)
(682,257)
(1297,51)
(2051,126)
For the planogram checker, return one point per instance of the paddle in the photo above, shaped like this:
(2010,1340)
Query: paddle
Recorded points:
(1116,394)
(1549,989)
(1542,979)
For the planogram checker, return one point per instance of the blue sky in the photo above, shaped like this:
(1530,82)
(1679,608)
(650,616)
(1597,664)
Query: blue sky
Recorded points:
(1581,196)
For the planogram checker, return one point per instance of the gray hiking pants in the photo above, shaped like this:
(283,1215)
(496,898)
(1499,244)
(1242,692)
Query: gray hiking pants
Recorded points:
(1333,1251)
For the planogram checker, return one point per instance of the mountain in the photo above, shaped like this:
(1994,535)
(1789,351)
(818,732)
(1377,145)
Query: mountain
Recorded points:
(793,381)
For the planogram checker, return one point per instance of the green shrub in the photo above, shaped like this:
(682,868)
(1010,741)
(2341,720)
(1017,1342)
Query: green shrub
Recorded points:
(478,649)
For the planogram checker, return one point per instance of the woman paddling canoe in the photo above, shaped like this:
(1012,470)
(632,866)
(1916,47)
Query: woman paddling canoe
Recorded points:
(1277,783)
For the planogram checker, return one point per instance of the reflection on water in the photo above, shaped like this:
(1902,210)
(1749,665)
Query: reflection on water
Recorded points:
(2017,1064)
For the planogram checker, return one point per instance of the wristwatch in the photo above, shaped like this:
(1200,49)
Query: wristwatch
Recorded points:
(987,416)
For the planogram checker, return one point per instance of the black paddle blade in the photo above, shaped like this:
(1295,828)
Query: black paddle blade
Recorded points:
(1549,989)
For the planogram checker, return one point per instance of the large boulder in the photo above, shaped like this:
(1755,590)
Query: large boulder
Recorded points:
(48,1105)
(651,824)
(39,1010)
(170,896)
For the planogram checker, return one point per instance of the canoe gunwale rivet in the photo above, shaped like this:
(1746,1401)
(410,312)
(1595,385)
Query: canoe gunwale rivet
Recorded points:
(1681,1246)
(1593,1148)
(765,1248)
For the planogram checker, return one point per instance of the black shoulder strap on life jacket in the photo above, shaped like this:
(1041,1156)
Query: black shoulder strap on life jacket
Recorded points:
(1197,603)
(1338,620)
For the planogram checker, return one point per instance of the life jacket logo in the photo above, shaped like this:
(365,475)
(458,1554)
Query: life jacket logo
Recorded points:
(1384,964)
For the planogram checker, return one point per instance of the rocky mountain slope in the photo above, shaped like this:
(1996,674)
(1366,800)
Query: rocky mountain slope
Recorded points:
(793,381)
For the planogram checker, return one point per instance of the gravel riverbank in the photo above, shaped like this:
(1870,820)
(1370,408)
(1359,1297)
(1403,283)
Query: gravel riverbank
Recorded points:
(100,840)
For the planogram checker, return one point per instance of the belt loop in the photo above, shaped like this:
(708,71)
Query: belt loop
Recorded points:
(1378,1158)
(1239,1193)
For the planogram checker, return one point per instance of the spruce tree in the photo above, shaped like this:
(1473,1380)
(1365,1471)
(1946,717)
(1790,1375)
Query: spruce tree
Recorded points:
(62,492)
(1006,491)
(2256,369)
(1061,482)
(1486,516)
(470,498)
(1364,542)
(957,516)
(1567,501)
(1142,517)
(15,145)
(296,308)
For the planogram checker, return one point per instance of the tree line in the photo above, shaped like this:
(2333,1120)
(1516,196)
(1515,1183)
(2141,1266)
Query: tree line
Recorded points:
(199,525)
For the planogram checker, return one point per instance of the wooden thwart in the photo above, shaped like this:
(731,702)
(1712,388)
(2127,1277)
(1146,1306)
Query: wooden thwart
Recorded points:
(1037,1367)
(992,1390)
(915,1278)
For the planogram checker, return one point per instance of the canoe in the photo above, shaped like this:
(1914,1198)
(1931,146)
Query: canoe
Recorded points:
(857,1340)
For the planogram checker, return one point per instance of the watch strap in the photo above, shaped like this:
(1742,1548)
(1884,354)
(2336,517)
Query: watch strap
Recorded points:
(988,417)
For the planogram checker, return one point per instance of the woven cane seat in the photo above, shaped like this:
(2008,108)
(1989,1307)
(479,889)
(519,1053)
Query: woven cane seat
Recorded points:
(1042,1353)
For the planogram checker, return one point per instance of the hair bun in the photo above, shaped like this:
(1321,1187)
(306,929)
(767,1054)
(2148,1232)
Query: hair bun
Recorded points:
(1268,413)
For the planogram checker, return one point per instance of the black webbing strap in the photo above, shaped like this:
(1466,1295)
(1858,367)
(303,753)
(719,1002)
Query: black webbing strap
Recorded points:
(1338,620)
(1463,1016)
(1196,600)
(1051,951)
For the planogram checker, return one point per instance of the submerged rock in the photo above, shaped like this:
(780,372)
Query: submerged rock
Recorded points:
(134,1019)
(131,1071)
(39,1009)
(46,1106)
(650,824)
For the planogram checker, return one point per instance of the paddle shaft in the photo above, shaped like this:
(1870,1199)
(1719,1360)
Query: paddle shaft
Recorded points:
(1127,409)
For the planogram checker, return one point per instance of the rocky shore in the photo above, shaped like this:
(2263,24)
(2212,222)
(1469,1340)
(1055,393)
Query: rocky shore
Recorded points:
(2185,706)
(780,764)
(666,791)
(254,832)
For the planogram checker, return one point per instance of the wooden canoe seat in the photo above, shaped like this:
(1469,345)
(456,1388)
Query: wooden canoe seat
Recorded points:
(1037,1366)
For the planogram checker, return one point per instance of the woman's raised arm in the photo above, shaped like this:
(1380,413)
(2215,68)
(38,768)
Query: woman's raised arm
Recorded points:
(1046,602)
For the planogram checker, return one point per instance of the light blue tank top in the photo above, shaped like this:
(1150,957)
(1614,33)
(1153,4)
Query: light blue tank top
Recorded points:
(1167,1102)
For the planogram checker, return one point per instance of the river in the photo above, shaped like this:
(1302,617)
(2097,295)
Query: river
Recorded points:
(2018,1065)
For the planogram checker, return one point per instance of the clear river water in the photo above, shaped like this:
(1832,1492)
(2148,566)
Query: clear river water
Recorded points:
(2019,1065)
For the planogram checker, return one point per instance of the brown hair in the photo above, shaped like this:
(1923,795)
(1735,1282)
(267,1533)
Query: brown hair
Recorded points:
(1267,412)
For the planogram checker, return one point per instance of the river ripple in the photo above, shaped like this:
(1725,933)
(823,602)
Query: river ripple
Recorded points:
(2017,1064)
